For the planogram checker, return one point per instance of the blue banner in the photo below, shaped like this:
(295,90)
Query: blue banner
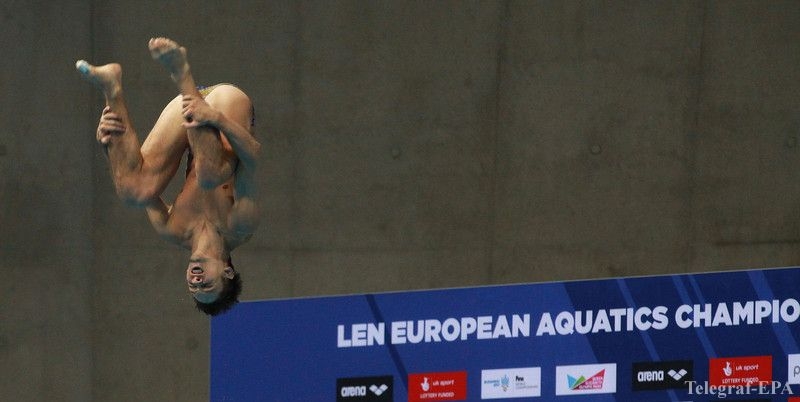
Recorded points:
(694,337)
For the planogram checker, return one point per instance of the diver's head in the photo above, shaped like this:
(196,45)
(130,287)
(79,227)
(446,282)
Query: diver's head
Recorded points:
(214,284)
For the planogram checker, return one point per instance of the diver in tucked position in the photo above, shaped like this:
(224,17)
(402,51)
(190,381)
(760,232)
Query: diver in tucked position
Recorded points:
(215,211)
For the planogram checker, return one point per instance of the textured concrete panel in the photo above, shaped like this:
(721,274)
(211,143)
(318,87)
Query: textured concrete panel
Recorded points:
(592,146)
(351,271)
(45,193)
(266,274)
(395,103)
(746,192)
(149,340)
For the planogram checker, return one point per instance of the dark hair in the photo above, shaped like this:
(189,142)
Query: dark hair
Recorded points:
(227,298)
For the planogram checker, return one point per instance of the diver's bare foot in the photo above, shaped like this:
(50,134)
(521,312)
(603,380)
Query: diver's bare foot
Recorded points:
(107,78)
(171,55)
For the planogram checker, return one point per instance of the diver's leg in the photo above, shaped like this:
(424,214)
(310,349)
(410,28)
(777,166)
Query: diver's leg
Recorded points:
(213,164)
(139,172)
(173,57)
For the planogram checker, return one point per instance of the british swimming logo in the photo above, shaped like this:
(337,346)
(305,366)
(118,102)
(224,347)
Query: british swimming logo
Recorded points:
(520,382)
(586,379)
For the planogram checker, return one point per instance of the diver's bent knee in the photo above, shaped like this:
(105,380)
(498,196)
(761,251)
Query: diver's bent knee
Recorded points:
(135,196)
(227,91)
(227,95)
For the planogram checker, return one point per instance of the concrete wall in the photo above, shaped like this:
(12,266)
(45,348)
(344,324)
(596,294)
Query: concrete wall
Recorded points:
(407,146)
(46,194)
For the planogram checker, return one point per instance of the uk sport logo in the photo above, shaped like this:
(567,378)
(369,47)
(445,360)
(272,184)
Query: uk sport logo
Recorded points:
(439,386)
(739,371)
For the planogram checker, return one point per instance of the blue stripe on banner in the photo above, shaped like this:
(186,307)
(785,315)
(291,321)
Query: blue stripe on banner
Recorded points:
(648,341)
(398,362)
(764,292)
(686,299)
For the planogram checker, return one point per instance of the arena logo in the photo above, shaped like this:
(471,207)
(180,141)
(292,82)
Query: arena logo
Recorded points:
(365,389)
(441,386)
(586,379)
(652,376)
(520,382)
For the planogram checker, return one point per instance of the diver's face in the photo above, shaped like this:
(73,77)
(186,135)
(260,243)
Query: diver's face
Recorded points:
(205,278)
